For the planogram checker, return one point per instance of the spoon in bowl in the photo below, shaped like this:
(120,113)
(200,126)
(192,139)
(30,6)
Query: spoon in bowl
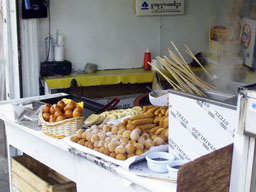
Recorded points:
(154,93)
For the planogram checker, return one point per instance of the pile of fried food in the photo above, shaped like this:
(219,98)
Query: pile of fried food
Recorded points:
(134,136)
(96,119)
(62,110)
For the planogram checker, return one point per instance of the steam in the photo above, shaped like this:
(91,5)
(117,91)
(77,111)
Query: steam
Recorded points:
(226,69)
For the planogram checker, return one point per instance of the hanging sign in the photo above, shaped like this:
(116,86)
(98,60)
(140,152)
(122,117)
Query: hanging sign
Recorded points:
(158,7)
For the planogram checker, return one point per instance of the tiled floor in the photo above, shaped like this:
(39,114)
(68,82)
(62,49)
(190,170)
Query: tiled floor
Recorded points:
(4,178)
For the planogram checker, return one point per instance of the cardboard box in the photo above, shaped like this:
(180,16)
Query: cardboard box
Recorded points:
(198,126)
(158,7)
(248,40)
(30,175)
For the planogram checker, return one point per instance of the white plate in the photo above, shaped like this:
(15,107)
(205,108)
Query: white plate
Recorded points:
(125,164)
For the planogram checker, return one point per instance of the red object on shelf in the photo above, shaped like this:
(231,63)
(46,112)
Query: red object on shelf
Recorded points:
(147,58)
(110,105)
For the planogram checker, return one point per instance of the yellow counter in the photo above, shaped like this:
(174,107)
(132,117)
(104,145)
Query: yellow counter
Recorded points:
(104,77)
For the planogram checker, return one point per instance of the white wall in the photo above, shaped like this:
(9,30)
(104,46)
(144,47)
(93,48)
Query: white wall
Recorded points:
(109,34)
(2,62)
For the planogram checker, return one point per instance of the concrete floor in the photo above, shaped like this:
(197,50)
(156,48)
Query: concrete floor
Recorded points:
(4,177)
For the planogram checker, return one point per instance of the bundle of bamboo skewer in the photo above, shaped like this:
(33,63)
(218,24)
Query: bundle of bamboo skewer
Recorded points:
(185,79)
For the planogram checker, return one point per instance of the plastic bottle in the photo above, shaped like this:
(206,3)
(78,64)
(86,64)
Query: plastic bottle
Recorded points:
(49,49)
(147,58)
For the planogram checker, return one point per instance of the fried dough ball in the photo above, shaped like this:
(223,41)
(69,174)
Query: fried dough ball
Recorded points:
(60,118)
(124,140)
(101,149)
(107,142)
(107,128)
(84,135)
(134,135)
(94,138)
(88,136)
(88,130)
(77,113)
(132,142)
(123,144)
(139,152)
(109,134)
(121,156)
(101,125)
(46,116)
(121,126)
(120,149)
(95,131)
(86,143)
(130,148)
(148,143)
(106,151)
(57,114)
(46,108)
(114,130)
(158,141)
(100,144)
(81,141)
(90,145)
(61,104)
(145,135)
(138,130)
(96,148)
(94,127)
(113,155)
(121,131)
(102,136)
(107,139)
(95,144)
(112,146)
(126,134)
(141,140)
(139,146)
(79,133)
(74,139)
(115,140)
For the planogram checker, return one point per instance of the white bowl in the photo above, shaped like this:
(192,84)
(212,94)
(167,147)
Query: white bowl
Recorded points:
(157,161)
(173,167)
(160,100)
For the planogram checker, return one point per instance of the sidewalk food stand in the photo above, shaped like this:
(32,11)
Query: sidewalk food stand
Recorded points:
(88,172)
(211,132)
(210,172)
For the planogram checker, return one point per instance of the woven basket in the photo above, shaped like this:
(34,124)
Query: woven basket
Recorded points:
(61,129)
(222,47)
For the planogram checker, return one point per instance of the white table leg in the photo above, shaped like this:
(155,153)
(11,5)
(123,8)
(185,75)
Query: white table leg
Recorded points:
(9,165)
(47,91)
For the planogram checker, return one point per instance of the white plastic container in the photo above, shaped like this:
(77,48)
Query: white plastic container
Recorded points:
(59,53)
(160,100)
(173,167)
(157,161)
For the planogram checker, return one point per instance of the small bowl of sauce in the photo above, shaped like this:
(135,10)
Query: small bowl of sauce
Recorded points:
(157,161)
(173,167)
